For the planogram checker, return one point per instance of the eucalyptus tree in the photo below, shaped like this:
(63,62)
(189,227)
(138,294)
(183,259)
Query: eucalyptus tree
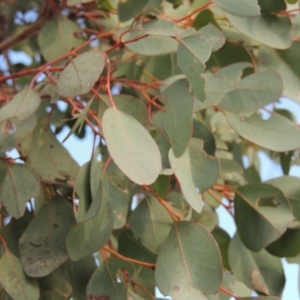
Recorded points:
(198,86)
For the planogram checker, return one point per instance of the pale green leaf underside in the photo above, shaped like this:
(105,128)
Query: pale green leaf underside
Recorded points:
(22,106)
(131,146)
(276,133)
(242,8)
(253,92)
(81,74)
(269,30)
(183,171)
(57,37)
(269,58)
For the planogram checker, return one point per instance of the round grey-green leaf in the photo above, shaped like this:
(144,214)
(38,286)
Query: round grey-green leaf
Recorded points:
(81,74)
(131,146)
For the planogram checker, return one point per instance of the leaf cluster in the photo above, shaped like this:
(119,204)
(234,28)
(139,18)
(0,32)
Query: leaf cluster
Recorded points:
(181,97)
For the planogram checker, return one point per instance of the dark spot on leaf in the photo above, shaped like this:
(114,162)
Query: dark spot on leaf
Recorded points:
(35,245)
(98,297)
(176,288)
(269,201)
(55,225)
(51,146)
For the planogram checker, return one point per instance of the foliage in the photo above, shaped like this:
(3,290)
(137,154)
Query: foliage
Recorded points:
(198,83)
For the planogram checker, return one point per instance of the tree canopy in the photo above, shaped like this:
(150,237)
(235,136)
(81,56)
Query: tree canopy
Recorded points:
(181,96)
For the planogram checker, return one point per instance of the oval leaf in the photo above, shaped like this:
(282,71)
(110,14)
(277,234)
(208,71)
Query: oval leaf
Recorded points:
(57,37)
(178,118)
(262,272)
(253,92)
(14,281)
(194,169)
(22,106)
(112,286)
(189,262)
(242,8)
(81,74)
(276,133)
(261,208)
(48,157)
(21,129)
(88,236)
(19,185)
(150,223)
(42,245)
(131,146)
(268,29)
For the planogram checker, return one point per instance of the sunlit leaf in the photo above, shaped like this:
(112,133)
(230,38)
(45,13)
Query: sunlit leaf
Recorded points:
(131,146)
(128,104)
(276,133)
(253,92)
(150,45)
(268,29)
(244,8)
(190,169)
(286,64)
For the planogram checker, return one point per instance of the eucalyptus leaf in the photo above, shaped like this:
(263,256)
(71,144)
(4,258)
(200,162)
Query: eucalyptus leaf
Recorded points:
(190,169)
(22,106)
(14,281)
(253,92)
(131,146)
(50,160)
(151,224)
(110,286)
(243,8)
(178,118)
(259,271)
(42,245)
(261,207)
(80,74)
(276,133)
(20,185)
(268,29)
(14,131)
(58,37)
(189,262)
